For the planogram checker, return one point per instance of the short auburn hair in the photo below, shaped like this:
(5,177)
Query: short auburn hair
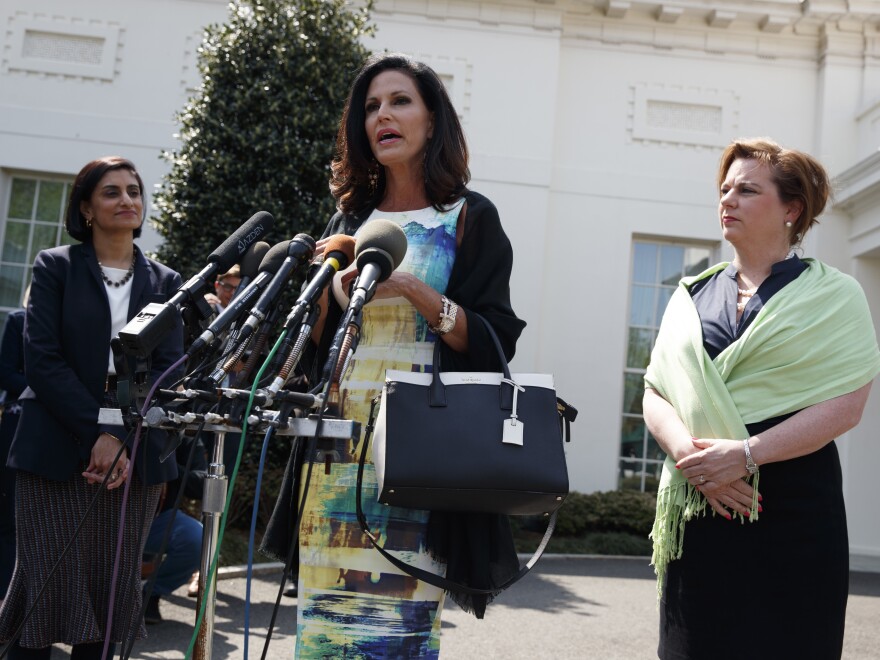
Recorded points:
(797,175)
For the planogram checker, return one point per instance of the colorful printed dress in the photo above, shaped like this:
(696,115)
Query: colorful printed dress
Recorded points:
(352,602)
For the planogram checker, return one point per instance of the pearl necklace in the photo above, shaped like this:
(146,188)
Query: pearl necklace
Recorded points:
(128,275)
(746,294)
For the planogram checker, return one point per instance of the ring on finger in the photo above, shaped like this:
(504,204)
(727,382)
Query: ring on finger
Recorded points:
(702,479)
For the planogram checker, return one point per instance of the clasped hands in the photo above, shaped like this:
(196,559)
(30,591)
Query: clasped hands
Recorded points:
(716,468)
(103,454)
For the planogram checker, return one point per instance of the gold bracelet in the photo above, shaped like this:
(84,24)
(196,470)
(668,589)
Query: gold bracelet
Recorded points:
(113,436)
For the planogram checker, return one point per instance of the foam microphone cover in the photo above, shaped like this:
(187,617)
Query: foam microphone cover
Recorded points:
(274,257)
(301,247)
(250,263)
(233,248)
(344,246)
(383,243)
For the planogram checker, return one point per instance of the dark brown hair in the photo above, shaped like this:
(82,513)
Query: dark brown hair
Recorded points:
(446,155)
(83,187)
(797,175)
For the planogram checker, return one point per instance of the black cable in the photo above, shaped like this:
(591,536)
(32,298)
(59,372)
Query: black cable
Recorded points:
(135,577)
(148,592)
(311,451)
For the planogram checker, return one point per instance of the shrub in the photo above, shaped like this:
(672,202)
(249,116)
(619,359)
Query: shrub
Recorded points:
(260,133)
(624,511)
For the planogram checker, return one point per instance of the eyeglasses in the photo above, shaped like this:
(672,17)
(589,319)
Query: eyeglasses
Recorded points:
(227,286)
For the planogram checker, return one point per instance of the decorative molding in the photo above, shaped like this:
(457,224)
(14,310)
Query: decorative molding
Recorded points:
(617,8)
(858,188)
(774,24)
(536,14)
(667,14)
(721,19)
(692,117)
(63,48)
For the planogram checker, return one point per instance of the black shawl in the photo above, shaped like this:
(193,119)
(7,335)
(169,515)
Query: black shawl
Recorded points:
(478,548)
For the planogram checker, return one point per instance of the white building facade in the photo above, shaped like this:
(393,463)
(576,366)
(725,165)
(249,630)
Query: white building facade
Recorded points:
(594,125)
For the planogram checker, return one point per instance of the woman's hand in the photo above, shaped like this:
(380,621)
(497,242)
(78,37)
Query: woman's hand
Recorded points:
(424,298)
(716,470)
(735,496)
(716,461)
(103,453)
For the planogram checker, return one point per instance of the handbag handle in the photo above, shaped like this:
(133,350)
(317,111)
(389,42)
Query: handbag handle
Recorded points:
(419,573)
(437,391)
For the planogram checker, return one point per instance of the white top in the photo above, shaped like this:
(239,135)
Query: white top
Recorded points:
(118,296)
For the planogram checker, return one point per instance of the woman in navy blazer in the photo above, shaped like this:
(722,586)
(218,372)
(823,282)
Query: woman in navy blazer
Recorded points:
(81,296)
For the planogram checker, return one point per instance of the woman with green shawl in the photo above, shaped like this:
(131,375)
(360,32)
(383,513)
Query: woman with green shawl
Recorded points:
(759,365)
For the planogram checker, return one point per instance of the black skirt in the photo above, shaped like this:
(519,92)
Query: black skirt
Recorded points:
(775,588)
(73,609)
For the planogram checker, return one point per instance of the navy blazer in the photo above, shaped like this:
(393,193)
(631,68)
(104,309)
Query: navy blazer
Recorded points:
(67,344)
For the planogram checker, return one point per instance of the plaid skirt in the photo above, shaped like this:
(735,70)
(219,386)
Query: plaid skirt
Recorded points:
(73,608)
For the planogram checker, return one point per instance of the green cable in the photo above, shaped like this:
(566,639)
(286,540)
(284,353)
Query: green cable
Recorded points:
(213,571)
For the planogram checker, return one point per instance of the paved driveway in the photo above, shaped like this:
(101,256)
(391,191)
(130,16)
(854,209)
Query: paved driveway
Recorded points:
(603,608)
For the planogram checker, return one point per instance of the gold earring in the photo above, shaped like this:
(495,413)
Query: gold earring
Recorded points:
(374,177)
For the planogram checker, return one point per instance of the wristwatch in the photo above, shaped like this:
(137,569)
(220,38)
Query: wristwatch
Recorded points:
(751,466)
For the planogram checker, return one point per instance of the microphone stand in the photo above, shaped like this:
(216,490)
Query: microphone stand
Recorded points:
(216,484)
(213,503)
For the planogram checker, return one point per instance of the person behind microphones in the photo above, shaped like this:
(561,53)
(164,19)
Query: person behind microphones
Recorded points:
(224,288)
(402,156)
(12,383)
(81,296)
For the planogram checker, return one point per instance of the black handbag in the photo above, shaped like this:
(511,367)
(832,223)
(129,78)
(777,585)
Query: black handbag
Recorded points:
(469,442)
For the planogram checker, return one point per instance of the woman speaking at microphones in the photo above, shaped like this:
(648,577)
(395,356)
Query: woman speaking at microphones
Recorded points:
(81,296)
(402,157)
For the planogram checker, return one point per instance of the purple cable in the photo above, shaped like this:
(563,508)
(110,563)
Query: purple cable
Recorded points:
(137,439)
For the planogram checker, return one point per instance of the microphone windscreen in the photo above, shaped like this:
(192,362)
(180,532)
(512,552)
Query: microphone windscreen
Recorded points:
(302,246)
(343,245)
(250,262)
(275,257)
(231,250)
(383,235)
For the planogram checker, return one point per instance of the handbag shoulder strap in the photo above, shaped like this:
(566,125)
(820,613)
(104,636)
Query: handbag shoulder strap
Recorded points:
(419,573)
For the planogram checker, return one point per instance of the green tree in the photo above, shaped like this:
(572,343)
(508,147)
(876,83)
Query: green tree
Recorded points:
(260,133)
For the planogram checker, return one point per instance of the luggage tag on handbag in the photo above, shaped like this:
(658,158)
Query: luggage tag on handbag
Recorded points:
(513,428)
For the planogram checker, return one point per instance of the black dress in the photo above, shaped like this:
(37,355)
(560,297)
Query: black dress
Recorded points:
(776,588)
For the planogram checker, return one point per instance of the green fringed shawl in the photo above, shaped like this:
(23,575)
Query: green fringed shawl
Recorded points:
(814,340)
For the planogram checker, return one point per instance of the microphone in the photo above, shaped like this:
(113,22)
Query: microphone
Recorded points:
(144,332)
(244,298)
(291,351)
(293,253)
(380,248)
(338,253)
(297,251)
(250,264)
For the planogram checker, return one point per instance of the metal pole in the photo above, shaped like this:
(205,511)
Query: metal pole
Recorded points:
(213,503)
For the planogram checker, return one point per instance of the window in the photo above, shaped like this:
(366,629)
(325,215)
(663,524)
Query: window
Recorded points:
(33,221)
(656,270)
